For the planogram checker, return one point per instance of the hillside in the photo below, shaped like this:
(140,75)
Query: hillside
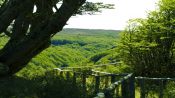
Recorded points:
(73,47)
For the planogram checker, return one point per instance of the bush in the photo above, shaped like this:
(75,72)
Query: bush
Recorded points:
(170,90)
(46,86)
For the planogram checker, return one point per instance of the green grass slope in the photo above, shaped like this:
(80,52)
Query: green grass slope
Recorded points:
(72,47)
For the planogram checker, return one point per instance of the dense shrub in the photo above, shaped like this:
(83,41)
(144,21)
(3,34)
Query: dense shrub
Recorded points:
(46,86)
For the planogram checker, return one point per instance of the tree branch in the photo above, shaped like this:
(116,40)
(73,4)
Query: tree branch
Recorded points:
(7,33)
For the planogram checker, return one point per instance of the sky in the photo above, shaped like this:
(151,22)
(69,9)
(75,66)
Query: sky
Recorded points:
(113,19)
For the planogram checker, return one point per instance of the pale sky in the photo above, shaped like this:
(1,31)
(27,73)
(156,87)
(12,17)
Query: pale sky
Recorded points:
(114,19)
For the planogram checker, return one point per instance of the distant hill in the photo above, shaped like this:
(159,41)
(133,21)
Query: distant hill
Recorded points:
(85,36)
(75,47)
(88,30)
(91,32)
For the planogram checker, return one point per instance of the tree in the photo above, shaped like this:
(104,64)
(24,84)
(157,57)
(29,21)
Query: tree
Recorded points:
(32,31)
(148,44)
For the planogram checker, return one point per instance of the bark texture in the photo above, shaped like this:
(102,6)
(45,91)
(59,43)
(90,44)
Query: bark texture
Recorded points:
(31,31)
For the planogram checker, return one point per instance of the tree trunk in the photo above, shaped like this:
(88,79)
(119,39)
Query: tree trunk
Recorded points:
(24,45)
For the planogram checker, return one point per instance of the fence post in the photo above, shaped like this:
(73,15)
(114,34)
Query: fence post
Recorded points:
(112,81)
(108,93)
(74,78)
(61,74)
(142,87)
(112,78)
(125,92)
(68,75)
(132,86)
(117,92)
(84,84)
(97,83)
(161,82)
(106,81)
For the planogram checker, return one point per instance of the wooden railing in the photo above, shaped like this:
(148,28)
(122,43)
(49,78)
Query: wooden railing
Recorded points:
(94,66)
(159,82)
(127,88)
(116,85)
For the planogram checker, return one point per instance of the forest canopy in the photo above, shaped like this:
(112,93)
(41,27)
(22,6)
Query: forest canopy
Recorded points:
(148,44)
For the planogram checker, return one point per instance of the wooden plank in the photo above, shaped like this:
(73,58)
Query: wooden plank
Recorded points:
(117,91)
(68,75)
(113,77)
(106,81)
(97,84)
(74,78)
(124,86)
(84,84)
(108,93)
(101,65)
(142,88)
(147,78)
(108,74)
(61,74)
(161,83)
(132,87)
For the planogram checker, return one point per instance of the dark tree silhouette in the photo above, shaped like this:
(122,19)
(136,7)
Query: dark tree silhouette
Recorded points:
(32,31)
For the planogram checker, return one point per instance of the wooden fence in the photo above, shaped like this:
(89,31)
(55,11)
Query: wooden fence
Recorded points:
(127,88)
(144,83)
(116,85)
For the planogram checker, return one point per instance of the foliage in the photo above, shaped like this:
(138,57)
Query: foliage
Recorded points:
(92,8)
(45,86)
(3,41)
(148,44)
(67,50)
(1,1)
(30,30)
(170,90)
(109,56)
(98,57)
(87,42)
(75,48)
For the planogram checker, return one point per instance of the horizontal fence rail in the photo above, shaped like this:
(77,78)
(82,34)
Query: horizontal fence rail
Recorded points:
(148,78)
(93,66)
